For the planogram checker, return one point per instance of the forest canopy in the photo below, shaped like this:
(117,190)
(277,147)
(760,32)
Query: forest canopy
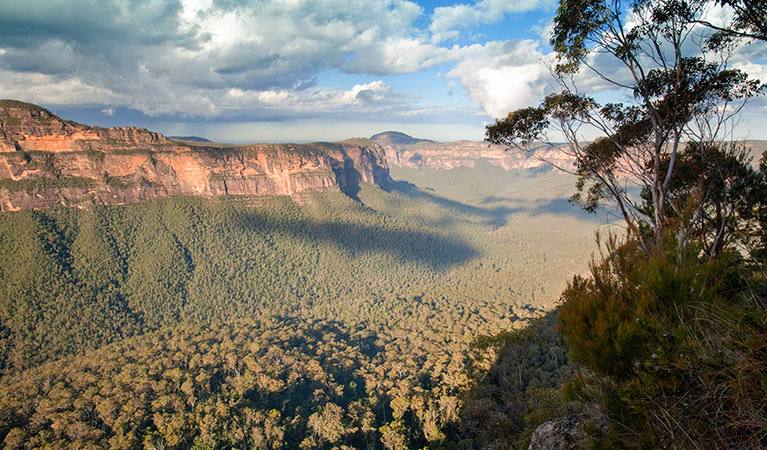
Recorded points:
(256,322)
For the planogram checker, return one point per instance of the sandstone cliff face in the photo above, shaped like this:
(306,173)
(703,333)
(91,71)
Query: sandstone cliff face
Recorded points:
(26,127)
(405,151)
(46,161)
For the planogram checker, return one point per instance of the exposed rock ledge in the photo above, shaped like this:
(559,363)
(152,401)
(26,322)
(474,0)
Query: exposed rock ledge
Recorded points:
(562,434)
(46,161)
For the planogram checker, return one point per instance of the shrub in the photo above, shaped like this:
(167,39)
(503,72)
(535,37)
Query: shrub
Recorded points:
(674,348)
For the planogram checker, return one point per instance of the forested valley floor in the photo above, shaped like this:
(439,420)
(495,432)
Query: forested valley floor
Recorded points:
(269,322)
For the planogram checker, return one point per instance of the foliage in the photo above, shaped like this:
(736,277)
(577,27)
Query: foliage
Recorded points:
(682,100)
(714,194)
(7,103)
(39,184)
(669,328)
(519,373)
(749,20)
(674,347)
(138,326)
(254,384)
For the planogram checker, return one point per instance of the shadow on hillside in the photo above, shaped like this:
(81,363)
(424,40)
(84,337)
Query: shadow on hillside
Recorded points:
(530,366)
(498,210)
(437,251)
(536,207)
(494,216)
(352,179)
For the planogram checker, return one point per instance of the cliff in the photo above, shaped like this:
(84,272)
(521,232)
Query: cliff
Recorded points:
(405,151)
(47,161)
(408,152)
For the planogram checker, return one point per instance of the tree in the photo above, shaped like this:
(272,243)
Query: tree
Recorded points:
(749,20)
(684,100)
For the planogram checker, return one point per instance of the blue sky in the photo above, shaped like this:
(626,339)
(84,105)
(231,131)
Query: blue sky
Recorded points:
(287,70)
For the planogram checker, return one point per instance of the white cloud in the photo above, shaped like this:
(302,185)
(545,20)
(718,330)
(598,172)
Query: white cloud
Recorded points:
(503,76)
(192,8)
(42,88)
(448,20)
(544,30)
(243,60)
(166,57)
(251,59)
(755,71)
(361,100)
(396,56)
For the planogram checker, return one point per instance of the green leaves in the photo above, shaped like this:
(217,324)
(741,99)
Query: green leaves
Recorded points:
(676,90)
(527,125)
(576,24)
(668,339)
(523,126)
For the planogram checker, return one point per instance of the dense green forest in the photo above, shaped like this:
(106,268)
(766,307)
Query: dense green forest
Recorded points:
(252,322)
(279,383)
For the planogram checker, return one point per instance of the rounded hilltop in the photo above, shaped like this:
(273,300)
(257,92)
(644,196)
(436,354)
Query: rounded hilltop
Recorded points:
(396,138)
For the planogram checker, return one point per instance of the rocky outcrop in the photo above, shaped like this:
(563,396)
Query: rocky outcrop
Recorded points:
(405,151)
(562,434)
(46,161)
(27,127)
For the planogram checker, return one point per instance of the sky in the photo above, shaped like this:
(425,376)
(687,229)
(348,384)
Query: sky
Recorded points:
(291,70)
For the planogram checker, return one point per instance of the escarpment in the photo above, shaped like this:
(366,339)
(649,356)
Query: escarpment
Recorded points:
(408,152)
(46,161)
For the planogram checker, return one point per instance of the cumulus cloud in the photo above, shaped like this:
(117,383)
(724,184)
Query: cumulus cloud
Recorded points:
(238,59)
(208,58)
(181,57)
(504,76)
(397,56)
(361,100)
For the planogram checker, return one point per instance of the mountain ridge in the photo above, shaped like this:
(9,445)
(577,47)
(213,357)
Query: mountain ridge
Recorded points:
(47,161)
(406,151)
(409,152)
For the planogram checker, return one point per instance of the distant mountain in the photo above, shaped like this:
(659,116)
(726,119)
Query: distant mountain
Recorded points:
(189,138)
(409,152)
(396,138)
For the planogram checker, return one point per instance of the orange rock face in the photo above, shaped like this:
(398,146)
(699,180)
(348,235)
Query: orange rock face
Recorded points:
(45,161)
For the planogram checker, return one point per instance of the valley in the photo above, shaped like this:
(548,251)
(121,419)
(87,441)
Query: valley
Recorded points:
(390,292)
(322,318)
(383,225)
(403,284)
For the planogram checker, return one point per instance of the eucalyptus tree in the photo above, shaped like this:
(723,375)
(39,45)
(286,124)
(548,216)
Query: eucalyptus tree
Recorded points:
(683,99)
(749,19)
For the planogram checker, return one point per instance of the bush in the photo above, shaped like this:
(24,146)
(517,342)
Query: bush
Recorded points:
(673,347)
